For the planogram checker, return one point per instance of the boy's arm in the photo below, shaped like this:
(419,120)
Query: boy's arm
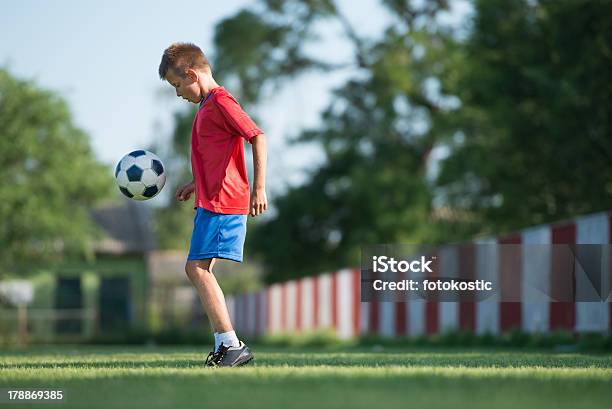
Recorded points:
(184,192)
(259,201)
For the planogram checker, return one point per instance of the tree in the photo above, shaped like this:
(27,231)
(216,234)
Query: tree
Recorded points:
(533,142)
(49,175)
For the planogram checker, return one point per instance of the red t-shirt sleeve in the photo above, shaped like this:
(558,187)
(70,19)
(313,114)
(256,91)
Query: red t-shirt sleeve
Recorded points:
(236,118)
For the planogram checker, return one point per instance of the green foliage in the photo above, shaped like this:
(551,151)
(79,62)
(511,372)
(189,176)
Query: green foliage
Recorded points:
(535,142)
(255,49)
(50,177)
(370,190)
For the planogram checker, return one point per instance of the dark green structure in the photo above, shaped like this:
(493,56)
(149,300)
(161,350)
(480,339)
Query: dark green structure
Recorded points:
(79,300)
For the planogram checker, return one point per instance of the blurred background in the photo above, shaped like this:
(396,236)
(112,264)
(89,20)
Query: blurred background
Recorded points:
(393,121)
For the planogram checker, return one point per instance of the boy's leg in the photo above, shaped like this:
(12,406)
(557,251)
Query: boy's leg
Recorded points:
(234,353)
(201,275)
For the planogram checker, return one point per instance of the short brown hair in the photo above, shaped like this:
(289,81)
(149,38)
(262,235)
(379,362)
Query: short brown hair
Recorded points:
(182,56)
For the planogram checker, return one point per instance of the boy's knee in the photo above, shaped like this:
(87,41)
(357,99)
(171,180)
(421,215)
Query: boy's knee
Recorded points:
(193,268)
(188,270)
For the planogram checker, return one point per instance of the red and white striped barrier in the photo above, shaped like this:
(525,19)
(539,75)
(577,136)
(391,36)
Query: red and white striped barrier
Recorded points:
(332,300)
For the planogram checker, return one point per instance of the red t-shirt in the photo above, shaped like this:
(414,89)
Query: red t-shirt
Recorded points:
(217,153)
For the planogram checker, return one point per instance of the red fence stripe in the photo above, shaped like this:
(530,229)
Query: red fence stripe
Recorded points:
(467,316)
(400,318)
(334,300)
(467,267)
(400,327)
(509,262)
(562,314)
(298,306)
(283,306)
(356,279)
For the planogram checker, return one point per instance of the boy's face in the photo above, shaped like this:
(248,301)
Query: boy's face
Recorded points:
(187,87)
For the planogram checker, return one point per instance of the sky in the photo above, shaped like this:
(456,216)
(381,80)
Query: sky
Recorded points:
(102,57)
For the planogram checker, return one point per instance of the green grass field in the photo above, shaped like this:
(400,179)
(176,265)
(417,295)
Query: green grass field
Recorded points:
(173,377)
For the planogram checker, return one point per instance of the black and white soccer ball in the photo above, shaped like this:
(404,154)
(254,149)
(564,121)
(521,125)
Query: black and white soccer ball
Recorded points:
(140,175)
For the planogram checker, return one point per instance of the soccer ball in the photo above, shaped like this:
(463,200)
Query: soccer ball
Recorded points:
(140,175)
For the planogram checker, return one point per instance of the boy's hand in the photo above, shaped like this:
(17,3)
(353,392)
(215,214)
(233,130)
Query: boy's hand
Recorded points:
(259,202)
(184,192)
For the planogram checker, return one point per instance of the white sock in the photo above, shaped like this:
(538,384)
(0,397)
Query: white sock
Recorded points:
(216,334)
(229,339)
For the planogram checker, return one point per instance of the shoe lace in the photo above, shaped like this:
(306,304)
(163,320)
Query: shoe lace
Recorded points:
(215,357)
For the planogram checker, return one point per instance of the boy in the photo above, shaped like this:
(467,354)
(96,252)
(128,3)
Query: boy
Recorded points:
(221,187)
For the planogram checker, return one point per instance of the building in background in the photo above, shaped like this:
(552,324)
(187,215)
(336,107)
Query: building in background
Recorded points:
(131,287)
(78,300)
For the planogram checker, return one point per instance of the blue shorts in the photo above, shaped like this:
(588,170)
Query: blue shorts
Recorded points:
(217,235)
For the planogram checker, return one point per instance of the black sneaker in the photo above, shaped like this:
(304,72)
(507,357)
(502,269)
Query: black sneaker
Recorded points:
(230,356)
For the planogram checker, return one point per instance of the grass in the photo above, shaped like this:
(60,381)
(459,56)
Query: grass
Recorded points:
(168,377)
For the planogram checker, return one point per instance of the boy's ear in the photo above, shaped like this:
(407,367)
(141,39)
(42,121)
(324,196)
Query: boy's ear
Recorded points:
(192,74)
